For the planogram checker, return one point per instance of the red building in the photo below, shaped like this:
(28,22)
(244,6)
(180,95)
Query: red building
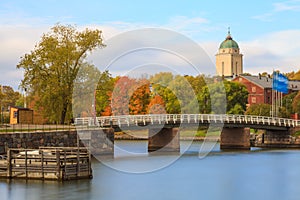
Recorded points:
(260,88)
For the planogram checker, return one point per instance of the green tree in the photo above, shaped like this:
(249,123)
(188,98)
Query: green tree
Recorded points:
(84,90)
(164,85)
(296,103)
(259,110)
(8,97)
(287,101)
(213,95)
(104,91)
(237,97)
(51,68)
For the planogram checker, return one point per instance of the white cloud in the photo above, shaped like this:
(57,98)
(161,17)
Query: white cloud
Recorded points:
(278,50)
(266,17)
(287,6)
(293,5)
(274,50)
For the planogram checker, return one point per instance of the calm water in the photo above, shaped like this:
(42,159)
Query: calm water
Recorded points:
(258,174)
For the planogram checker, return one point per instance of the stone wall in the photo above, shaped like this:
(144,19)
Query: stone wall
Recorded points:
(100,139)
(277,139)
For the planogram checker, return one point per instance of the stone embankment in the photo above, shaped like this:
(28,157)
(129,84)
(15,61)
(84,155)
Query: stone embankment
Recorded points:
(99,141)
(275,140)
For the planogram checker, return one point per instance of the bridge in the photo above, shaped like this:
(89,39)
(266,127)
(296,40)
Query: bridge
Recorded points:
(163,128)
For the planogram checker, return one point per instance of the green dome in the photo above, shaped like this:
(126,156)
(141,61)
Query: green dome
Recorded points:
(229,43)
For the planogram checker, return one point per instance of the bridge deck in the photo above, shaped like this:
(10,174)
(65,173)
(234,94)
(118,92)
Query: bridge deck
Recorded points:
(176,120)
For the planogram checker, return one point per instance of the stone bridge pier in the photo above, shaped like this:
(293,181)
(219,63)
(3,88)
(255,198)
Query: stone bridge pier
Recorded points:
(164,140)
(235,138)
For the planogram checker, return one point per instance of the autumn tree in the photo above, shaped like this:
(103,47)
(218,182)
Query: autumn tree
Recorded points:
(51,68)
(123,88)
(294,75)
(140,98)
(156,105)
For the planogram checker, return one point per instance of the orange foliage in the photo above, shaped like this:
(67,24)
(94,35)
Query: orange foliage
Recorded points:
(157,105)
(130,96)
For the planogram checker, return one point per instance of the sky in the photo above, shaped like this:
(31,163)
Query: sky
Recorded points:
(267,31)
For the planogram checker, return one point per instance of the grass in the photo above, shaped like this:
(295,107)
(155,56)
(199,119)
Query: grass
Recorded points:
(297,133)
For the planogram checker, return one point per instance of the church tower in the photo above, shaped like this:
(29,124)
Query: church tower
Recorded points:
(229,61)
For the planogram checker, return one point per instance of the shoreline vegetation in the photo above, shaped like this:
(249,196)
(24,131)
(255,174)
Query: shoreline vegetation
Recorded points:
(184,135)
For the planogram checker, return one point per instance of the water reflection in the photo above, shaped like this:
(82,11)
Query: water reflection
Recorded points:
(258,174)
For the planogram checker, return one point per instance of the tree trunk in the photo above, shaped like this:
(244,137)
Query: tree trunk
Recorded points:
(64,113)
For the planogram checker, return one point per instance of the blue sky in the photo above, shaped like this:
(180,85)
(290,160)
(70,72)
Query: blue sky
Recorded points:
(267,31)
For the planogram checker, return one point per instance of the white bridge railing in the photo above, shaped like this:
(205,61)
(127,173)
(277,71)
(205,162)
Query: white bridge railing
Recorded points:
(135,120)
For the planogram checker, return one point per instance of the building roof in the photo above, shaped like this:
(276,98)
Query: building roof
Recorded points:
(20,108)
(266,82)
(263,82)
(229,43)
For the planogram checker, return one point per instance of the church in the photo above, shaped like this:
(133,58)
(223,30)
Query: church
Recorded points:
(229,65)
(229,60)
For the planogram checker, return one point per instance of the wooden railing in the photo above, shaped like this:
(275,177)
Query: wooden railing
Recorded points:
(48,163)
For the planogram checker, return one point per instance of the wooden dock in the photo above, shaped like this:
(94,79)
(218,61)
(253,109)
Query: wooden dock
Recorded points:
(66,163)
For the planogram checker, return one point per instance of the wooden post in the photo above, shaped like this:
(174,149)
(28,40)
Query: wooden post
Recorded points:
(42,163)
(65,165)
(78,162)
(89,162)
(58,164)
(9,168)
(26,171)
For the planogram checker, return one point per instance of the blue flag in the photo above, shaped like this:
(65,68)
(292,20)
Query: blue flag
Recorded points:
(280,82)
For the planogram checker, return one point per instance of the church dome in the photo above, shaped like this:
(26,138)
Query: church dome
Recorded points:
(229,43)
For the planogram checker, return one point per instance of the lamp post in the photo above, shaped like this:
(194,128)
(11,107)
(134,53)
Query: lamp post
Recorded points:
(25,103)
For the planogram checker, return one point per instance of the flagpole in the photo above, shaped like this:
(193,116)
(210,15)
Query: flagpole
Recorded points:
(273,101)
(276,104)
(273,96)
